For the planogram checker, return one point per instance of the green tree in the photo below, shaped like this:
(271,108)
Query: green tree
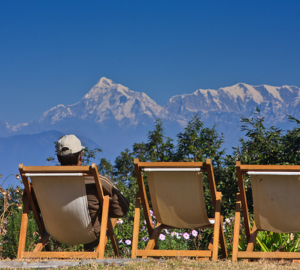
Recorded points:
(262,145)
(198,143)
(159,147)
(291,142)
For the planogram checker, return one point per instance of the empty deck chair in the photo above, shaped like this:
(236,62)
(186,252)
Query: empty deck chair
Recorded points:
(177,197)
(275,192)
(61,197)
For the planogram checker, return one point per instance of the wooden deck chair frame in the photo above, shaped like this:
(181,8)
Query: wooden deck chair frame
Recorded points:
(241,204)
(154,232)
(107,224)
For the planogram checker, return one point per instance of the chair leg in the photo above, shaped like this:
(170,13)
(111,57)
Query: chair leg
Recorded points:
(210,245)
(153,239)
(217,228)
(23,230)
(136,227)
(236,230)
(251,243)
(222,240)
(104,223)
(113,222)
(44,240)
(113,238)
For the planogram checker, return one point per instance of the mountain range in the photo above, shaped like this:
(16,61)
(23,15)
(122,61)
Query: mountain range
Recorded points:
(113,117)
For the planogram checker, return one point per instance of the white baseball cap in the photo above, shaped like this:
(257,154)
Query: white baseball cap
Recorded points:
(68,144)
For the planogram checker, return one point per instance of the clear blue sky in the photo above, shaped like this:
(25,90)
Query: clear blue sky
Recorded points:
(53,52)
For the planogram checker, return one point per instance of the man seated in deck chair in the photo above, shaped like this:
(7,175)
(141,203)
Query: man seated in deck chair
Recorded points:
(69,152)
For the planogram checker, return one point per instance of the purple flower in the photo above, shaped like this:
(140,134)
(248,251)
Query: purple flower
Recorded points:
(120,241)
(143,228)
(194,233)
(186,236)
(166,231)
(128,242)
(151,213)
(162,237)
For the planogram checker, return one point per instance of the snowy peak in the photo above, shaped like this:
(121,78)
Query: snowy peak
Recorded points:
(244,92)
(240,98)
(108,100)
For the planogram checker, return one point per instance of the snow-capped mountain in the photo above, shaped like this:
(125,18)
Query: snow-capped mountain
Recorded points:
(274,102)
(108,101)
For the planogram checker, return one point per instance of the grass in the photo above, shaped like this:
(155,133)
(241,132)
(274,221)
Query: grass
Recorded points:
(192,264)
(189,264)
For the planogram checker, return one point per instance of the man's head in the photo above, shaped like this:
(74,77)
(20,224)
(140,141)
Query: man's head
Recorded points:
(69,150)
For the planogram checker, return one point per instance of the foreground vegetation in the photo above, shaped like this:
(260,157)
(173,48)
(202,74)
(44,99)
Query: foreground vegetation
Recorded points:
(261,145)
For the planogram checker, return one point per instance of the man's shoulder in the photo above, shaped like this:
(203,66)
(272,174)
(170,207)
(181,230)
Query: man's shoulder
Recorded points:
(91,180)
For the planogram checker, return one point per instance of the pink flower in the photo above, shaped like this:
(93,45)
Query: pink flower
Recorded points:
(162,237)
(194,233)
(128,242)
(186,236)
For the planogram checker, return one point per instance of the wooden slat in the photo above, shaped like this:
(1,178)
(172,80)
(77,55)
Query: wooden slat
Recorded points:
(153,239)
(236,230)
(170,164)
(23,229)
(252,239)
(211,178)
(143,196)
(113,238)
(222,240)
(243,199)
(32,205)
(217,227)
(282,168)
(136,226)
(172,253)
(43,241)
(60,255)
(271,255)
(104,220)
(57,169)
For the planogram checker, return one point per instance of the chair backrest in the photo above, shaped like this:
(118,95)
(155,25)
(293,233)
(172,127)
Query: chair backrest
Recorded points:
(276,201)
(284,189)
(177,197)
(64,208)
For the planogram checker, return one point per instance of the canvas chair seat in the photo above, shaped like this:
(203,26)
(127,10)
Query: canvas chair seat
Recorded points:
(186,211)
(177,197)
(64,207)
(276,203)
(61,197)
